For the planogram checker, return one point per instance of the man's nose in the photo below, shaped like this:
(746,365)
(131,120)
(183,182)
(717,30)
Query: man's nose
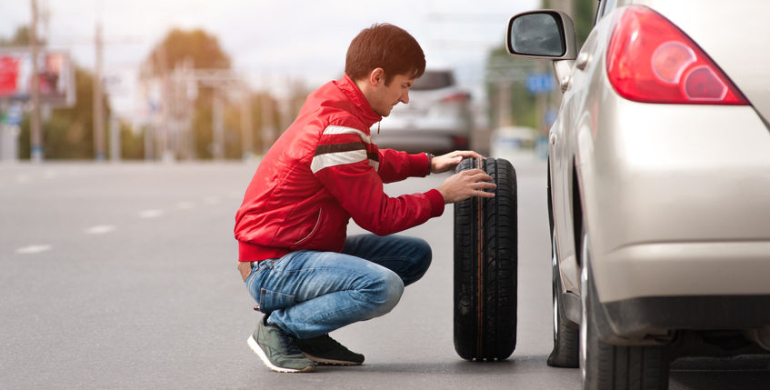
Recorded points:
(405,97)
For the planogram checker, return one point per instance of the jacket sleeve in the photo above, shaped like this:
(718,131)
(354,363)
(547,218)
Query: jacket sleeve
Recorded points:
(396,166)
(345,168)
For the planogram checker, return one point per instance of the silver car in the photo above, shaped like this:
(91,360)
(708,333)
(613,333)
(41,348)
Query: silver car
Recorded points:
(659,184)
(437,118)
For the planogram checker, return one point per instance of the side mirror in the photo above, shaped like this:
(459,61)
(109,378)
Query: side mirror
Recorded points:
(542,34)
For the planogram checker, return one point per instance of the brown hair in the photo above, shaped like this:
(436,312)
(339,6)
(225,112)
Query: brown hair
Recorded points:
(384,46)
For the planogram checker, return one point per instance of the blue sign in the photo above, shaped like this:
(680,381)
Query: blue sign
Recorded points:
(14,115)
(538,83)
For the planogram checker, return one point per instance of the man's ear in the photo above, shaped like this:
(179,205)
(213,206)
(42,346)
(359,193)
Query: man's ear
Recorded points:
(377,77)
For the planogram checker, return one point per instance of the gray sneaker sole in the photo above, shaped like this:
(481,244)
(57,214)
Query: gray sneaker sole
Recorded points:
(258,350)
(330,362)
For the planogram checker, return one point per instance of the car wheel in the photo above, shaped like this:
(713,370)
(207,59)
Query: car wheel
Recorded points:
(485,262)
(604,366)
(565,332)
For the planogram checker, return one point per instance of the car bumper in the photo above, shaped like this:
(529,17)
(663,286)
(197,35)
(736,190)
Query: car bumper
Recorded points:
(677,210)
(421,140)
(640,318)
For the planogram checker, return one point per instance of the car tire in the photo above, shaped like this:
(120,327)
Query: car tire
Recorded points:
(485,267)
(604,366)
(566,334)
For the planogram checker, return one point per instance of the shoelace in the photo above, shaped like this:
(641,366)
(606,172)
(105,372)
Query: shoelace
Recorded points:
(332,343)
(288,344)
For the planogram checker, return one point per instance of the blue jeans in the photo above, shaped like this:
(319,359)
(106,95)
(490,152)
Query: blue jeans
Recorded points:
(311,293)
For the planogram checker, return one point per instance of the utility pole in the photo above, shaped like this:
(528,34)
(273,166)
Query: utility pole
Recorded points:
(99,109)
(98,95)
(218,126)
(37,135)
(247,141)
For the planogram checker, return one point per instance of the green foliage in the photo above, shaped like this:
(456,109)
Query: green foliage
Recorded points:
(131,143)
(583,16)
(20,38)
(68,133)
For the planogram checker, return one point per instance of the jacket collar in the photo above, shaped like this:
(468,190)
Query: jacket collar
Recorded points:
(363,109)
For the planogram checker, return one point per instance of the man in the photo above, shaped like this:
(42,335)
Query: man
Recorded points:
(305,274)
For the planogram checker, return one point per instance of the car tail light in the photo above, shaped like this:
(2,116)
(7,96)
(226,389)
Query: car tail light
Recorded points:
(455,97)
(460,141)
(650,60)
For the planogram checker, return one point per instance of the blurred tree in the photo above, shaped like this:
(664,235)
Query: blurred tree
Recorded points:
(583,15)
(131,143)
(20,38)
(201,48)
(68,132)
(201,51)
(522,108)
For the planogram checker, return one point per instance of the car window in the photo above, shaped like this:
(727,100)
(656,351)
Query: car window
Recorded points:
(598,13)
(433,80)
(605,7)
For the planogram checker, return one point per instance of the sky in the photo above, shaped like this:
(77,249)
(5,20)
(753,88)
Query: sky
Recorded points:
(270,41)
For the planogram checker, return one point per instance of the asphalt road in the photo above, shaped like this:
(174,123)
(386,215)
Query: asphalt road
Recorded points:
(123,277)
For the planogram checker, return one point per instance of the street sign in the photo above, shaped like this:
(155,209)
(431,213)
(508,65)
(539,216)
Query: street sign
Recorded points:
(14,115)
(539,83)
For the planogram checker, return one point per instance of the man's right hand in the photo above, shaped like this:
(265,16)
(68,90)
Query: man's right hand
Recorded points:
(466,184)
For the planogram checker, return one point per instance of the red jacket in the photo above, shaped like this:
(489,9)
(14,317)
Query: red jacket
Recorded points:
(324,170)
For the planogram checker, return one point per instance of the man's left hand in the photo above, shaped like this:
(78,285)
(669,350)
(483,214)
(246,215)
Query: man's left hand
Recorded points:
(449,161)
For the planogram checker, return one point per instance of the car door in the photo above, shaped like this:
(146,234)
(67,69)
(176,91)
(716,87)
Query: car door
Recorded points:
(578,115)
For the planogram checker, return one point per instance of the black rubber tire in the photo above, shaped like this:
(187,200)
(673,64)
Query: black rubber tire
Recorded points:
(612,367)
(566,334)
(485,267)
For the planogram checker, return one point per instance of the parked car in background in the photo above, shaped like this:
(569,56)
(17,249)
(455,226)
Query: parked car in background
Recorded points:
(437,118)
(658,185)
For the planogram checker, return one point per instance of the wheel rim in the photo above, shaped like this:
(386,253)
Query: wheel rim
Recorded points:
(555,289)
(555,320)
(584,311)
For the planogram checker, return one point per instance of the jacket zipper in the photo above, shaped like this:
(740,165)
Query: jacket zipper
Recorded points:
(317,222)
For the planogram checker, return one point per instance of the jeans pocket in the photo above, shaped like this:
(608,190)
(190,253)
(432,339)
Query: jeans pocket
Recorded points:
(270,301)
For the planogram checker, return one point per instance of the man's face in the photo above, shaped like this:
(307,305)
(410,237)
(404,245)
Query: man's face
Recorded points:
(387,96)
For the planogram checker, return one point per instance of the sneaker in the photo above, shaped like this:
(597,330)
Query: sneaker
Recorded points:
(326,351)
(277,349)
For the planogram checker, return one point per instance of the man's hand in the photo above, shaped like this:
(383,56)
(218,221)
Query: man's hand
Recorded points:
(465,184)
(244,267)
(449,161)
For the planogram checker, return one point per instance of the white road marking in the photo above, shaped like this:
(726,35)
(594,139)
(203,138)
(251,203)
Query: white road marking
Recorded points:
(100,229)
(153,213)
(185,205)
(31,249)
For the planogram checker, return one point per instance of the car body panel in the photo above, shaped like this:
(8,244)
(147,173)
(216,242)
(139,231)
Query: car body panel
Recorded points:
(674,196)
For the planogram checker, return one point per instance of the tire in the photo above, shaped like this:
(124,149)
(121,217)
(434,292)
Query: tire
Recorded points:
(566,334)
(485,267)
(611,367)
